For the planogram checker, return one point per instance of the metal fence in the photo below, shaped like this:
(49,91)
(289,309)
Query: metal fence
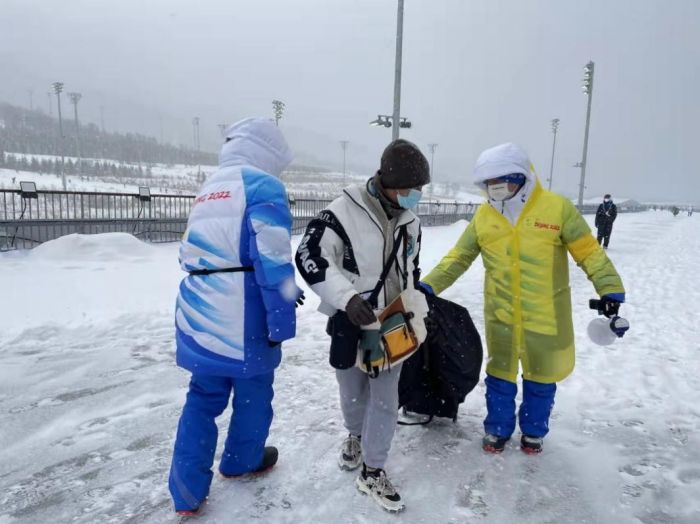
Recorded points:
(26,222)
(430,213)
(590,209)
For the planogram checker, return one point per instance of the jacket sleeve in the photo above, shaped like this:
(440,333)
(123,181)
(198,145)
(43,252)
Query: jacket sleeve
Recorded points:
(613,213)
(322,251)
(416,259)
(456,262)
(269,223)
(585,250)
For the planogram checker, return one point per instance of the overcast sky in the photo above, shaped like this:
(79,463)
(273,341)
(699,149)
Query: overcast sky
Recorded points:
(476,73)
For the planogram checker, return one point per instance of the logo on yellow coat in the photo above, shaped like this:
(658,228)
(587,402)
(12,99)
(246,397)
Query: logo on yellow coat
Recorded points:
(542,225)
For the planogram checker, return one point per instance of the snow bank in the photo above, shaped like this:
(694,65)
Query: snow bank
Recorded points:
(79,280)
(100,247)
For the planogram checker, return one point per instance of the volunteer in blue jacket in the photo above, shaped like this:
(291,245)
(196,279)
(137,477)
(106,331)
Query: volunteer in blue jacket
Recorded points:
(234,309)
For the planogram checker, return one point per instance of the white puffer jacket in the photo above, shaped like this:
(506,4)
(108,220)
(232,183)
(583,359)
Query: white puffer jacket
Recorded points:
(240,219)
(345,247)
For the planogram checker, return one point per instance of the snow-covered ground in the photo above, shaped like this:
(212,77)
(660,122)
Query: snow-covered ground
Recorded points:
(90,397)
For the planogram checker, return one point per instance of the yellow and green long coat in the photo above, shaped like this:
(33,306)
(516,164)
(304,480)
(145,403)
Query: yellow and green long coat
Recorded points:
(527,306)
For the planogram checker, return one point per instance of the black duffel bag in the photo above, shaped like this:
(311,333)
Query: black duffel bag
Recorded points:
(437,378)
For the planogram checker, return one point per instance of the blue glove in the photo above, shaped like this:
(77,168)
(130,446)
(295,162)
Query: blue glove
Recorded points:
(425,288)
(617,297)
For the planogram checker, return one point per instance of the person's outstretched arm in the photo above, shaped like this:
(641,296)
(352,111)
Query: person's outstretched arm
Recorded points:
(455,263)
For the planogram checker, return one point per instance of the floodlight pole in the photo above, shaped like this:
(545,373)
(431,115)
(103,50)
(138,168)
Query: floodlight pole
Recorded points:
(555,126)
(57,88)
(344,145)
(75,98)
(195,133)
(278,110)
(432,148)
(397,73)
(587,89)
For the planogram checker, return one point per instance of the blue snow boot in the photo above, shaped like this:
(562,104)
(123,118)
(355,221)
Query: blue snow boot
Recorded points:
(531,445)
(270,456)
(494,443)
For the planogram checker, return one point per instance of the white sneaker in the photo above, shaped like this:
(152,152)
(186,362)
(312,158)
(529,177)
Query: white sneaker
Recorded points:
(350,453)
(376,484)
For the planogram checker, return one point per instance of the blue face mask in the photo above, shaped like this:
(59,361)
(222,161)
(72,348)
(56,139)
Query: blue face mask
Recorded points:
(411,200)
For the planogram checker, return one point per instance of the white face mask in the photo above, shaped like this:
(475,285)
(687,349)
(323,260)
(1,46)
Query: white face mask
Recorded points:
(500,192)
(606,200)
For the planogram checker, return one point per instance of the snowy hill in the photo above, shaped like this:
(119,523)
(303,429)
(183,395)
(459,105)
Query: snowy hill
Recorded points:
(301,181)
(90,397)
(169,180)
(161,178)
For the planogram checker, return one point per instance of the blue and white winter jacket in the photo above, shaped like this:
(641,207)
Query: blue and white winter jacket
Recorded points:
(240,218)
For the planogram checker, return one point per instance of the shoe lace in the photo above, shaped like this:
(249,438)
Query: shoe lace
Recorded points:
(351,446)
(384,486)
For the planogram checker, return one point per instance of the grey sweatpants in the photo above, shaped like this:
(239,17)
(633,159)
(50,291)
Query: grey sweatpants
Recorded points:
(370,408)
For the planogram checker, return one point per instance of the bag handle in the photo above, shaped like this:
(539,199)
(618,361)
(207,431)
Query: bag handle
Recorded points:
(403,233)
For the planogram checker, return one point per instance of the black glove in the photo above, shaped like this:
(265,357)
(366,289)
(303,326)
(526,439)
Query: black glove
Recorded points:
(360,311)
(273,343)
(609,306)
(300,300)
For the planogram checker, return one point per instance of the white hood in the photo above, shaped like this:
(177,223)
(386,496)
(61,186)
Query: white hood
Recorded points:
(503,160)
(256,142)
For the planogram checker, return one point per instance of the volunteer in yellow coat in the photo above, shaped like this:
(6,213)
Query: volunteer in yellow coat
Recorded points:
(523,235)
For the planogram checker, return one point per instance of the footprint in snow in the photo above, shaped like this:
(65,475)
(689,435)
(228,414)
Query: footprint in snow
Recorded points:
(689,476)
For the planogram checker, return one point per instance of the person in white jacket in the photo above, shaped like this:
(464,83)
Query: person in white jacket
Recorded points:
(342,256)
(234,309)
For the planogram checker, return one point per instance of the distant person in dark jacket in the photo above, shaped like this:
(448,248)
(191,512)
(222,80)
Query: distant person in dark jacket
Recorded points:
(604,218)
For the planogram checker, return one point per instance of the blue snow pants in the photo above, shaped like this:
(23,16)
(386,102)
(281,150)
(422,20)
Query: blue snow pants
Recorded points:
(195,444)
(535,409)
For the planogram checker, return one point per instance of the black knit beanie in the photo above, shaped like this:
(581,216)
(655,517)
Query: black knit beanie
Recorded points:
(403,166)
